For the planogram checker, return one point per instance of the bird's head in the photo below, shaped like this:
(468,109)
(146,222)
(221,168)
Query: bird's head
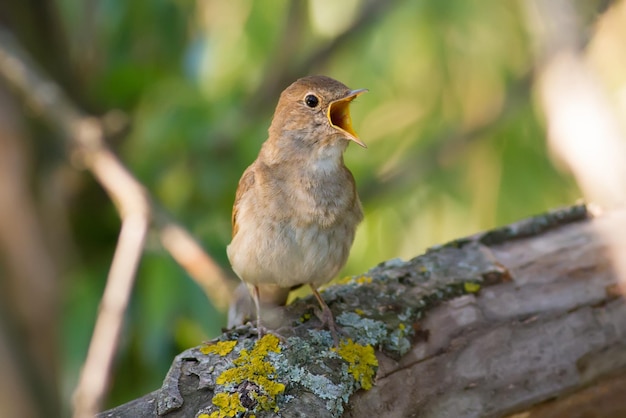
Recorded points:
(315,110)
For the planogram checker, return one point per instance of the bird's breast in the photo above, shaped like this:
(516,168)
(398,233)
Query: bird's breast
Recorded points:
(296,230)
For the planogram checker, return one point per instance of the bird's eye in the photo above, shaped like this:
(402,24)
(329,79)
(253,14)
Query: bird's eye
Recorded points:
(311,100)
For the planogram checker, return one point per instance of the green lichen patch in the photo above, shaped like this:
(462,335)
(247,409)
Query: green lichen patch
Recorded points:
(398,339)
(363,330)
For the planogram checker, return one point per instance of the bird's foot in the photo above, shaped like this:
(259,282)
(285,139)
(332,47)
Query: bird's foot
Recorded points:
(261,331)
(326,317)
(328,321)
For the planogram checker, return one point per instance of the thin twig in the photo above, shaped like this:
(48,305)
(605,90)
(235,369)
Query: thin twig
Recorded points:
(95,375)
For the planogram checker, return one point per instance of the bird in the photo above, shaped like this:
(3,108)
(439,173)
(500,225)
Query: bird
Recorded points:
(296,207)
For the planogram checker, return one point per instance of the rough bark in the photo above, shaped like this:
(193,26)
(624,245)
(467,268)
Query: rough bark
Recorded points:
(527,318)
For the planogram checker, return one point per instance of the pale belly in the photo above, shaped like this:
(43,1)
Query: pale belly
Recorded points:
(284,255)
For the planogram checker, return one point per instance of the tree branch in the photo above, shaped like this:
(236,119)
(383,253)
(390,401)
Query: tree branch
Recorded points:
(487,325)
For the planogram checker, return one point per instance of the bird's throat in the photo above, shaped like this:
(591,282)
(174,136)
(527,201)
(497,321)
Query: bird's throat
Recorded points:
(327,159)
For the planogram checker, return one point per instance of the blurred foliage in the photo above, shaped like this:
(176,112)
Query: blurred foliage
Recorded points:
(455,143)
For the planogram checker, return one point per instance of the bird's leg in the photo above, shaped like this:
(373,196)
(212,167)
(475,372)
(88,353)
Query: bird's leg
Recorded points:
(255,292)
(257,303)
(327,316)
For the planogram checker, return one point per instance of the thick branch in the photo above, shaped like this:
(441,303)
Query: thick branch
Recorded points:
(484,326)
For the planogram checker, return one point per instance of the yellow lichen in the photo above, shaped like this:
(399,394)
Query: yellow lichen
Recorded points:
(363,280)
(401,330)
(362,361)
(351,279)
(343,280)
(265,402)
(251,366)
(359,312)
(221,348)
(470,287)
(203,415)
(228,403)
(268,343)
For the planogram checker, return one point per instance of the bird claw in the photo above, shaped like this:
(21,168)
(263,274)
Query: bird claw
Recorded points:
(261,331)
(328,321)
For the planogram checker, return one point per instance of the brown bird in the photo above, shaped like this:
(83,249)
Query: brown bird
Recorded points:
(296,208)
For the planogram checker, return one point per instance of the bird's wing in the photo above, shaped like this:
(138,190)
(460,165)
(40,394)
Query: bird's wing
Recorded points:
(245,184)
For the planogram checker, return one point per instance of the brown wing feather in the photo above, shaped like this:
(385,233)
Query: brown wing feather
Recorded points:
(245,183)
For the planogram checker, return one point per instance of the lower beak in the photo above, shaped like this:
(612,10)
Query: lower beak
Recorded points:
(339,115)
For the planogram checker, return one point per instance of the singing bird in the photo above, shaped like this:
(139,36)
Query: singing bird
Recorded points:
(296,208)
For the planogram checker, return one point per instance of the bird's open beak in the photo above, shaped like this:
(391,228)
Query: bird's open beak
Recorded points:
(339,115)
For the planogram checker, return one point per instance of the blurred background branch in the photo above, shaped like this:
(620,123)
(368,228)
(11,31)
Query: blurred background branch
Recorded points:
(584,130)
(282,69)
(30,302)
(85,138)
(183,91)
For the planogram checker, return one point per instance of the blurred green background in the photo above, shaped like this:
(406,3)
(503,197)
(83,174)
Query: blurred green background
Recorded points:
(455,138)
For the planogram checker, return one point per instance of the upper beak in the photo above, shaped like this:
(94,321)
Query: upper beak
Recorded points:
(339,115)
